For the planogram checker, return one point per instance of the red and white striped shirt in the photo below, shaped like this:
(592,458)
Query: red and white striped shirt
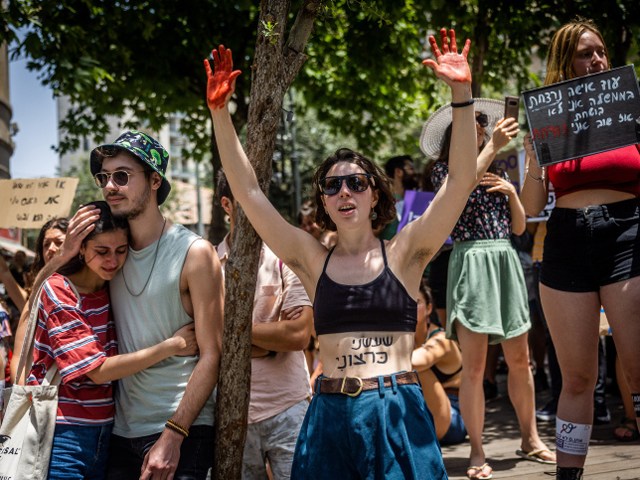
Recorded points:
(79,338)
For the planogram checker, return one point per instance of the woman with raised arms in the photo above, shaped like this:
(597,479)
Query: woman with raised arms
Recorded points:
(368,418)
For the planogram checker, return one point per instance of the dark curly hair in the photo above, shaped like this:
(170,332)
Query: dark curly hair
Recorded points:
(386,206)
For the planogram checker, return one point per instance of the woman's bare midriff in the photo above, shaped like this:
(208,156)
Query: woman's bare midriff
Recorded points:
(589,198)
(365,354)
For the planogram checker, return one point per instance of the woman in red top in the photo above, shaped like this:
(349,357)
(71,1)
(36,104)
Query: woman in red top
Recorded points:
(76,334)
(591,254)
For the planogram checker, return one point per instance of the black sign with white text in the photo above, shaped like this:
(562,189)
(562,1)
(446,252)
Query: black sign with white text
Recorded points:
(584,115)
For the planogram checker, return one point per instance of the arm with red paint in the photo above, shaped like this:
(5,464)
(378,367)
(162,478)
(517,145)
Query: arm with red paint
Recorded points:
(294,246)
(416,243)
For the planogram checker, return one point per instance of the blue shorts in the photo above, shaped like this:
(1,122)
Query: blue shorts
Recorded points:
(457,431)
(381,434)
(79,452)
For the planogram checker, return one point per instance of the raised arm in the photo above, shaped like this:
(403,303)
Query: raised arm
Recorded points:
(503,132)
(421,239)
(294,246)
(535,187)
(498,184)
(16,293)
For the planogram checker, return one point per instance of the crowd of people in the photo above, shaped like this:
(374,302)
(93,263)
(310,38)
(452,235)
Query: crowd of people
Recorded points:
(370,342)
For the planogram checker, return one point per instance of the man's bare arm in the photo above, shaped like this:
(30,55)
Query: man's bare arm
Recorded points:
(16,293)
(206,288)
(285,335)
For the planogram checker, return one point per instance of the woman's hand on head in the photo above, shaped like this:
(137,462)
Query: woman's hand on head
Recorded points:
(221,82)
(498,184)
(448,65)
(82,223)
(504,132)
(185,340)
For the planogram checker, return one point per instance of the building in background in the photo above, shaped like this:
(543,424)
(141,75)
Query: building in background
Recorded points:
(187,197)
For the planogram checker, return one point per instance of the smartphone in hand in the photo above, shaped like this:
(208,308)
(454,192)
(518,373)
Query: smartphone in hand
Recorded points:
(511,106)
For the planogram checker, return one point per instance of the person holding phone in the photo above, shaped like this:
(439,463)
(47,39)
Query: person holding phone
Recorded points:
(368,417)
(591,254)
(486,293)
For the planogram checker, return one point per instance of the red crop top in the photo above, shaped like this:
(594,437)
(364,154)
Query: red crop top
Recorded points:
(617,170)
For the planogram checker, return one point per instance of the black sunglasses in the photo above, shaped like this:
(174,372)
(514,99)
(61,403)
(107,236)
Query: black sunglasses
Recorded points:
(120,178)
(357,182)
(482,120)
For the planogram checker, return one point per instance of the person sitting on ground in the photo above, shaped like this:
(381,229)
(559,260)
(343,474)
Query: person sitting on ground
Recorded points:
(433,357)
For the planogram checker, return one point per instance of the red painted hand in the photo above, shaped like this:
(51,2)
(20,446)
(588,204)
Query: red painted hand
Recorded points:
(449,66)
(222,83)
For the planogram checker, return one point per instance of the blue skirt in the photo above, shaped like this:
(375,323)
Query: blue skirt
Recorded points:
(386,433)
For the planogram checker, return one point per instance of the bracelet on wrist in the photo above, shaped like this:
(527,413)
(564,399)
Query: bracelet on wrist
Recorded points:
(539,180)
(462,104)
(176,427)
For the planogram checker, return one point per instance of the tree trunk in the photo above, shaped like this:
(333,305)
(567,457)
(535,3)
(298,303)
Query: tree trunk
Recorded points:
(275,67)
(477,65)
(218,228)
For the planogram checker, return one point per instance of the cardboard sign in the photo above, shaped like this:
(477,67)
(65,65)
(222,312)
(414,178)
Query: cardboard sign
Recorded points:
(30,203)
(508,162)
(584,115)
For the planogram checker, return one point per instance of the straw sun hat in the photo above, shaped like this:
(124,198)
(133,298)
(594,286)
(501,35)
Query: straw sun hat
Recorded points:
(433,131)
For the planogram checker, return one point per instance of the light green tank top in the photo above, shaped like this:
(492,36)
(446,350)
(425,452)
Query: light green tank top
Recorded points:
(146,400)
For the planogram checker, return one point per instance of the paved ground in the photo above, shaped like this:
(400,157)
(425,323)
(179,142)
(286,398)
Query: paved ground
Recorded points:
(608,459)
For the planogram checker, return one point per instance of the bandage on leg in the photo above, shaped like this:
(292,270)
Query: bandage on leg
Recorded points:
(572,438)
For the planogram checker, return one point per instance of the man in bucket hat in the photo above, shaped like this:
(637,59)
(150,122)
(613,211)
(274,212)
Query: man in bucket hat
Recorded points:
(164,415)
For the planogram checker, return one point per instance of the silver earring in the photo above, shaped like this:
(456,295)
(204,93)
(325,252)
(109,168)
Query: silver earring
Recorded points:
(81,256)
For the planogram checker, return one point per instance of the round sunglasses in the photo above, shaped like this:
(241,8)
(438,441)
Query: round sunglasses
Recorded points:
(120,178)
(356,182)
(483,120)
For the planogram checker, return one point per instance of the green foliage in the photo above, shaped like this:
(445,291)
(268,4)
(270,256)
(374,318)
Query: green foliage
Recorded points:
(270,33)
(87,190)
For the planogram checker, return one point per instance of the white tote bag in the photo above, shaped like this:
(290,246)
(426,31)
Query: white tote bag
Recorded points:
(26,434)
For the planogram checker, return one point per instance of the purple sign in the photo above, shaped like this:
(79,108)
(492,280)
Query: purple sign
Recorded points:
(415,204)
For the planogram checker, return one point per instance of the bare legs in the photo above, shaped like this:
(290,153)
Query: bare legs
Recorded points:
(521,391)
(573,320)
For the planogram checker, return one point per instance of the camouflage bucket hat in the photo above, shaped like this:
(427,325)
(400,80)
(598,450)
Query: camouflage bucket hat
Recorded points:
(144,148)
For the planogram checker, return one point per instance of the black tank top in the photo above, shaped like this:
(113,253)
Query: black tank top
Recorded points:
(380,305)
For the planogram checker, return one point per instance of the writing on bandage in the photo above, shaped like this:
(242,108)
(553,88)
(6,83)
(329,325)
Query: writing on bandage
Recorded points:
(572,438)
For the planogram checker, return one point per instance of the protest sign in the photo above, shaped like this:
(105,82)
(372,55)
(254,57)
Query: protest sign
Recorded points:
(584,116)
(415,204)
(30,203)
(508,161)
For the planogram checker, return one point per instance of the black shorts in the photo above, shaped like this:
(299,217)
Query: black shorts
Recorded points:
(588,248)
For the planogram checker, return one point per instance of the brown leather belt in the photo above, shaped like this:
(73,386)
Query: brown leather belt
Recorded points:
(353,386)
(452,391)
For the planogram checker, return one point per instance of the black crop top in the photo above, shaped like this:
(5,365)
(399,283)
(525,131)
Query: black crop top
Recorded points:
(380,305)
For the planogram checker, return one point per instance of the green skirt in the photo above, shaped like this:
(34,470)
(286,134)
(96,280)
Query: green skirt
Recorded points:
(486,291)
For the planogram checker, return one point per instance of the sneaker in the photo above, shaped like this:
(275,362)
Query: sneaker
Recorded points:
(548,412)
(490,391)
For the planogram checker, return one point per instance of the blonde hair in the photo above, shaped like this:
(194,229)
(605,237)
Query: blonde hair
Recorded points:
(563,49)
